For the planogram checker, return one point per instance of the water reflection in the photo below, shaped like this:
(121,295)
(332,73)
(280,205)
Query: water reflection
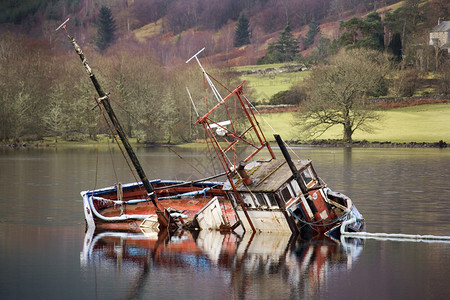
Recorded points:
(256,266)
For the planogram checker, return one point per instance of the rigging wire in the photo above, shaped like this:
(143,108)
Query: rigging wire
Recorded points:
(268,124)
(191,165)
(112,161)
(217,81)
(121,150)
(142,124)
(96,170)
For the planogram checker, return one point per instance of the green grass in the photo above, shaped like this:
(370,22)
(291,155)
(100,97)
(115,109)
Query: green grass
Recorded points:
(147,31)
(268,85)
(424,123)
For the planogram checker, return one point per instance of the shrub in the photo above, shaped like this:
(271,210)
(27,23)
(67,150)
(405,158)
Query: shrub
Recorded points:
(444,82)
(292,96)
(406,83)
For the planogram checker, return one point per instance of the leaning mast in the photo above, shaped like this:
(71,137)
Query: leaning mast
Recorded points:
(163,215)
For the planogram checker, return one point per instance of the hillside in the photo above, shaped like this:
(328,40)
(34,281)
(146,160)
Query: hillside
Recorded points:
(45,92)
(173,29)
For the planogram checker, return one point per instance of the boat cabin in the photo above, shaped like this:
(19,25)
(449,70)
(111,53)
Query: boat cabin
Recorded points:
(273,198)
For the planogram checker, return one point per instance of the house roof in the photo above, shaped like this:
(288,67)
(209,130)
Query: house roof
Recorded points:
(444,26)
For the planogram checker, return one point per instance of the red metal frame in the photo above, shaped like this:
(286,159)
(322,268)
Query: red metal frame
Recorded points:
(261,143)
(254,127)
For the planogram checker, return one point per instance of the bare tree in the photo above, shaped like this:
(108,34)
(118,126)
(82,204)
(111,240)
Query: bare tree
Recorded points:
(54,118)
(337,93)
(26,70)
(444,82)
(147,11)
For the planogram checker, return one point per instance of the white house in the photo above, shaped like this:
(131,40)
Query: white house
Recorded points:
(440,36)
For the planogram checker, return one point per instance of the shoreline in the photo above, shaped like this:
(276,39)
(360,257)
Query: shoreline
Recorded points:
(314,143)
(366,144)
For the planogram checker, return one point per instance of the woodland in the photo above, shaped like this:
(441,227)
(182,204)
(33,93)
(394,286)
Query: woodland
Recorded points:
(138,50)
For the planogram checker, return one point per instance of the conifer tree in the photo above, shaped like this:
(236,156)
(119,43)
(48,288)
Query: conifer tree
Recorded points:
(373,32)
(287,45)
(363,33)
(312,32)
(242,31)
(106,27)
(395,46)
(283,50)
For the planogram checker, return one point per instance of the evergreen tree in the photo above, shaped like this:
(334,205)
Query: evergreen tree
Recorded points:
(106,27)
(283,50)
(242,31)
(287,45)
(312,32)
(272,55)
(349,37)
(395,46)
(363,33)
(373,32)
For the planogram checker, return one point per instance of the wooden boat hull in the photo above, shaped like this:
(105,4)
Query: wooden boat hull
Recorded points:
(124,208)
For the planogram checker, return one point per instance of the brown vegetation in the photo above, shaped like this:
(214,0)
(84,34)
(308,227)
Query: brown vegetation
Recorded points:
(188,24)
(410,101)
(44,91)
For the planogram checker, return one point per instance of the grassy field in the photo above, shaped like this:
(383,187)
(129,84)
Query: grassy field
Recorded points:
(424,123)
(266,85)
(147,31)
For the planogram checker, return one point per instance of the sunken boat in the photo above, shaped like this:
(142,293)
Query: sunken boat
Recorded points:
(272,194)
(260,195)
(149,204)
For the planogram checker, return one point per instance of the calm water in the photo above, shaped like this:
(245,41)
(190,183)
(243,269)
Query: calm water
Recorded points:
(45,253)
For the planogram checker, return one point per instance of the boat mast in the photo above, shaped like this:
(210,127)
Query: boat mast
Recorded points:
(163,215)
(290,163)
(295,172)
(234,100)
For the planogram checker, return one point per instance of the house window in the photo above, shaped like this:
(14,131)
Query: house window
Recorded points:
(260,201)
(254,200)
(271,201)
(307,177)
(248,200)
(286,193)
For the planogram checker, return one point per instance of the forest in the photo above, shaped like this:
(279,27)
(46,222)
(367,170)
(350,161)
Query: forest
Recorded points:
(46,93)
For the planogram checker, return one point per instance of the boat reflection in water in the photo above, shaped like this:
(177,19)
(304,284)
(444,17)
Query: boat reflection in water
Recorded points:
(213,264)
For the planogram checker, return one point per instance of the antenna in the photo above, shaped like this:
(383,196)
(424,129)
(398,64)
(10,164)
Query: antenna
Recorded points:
(195,55)
(63,25)
(192,100)
(211,84)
